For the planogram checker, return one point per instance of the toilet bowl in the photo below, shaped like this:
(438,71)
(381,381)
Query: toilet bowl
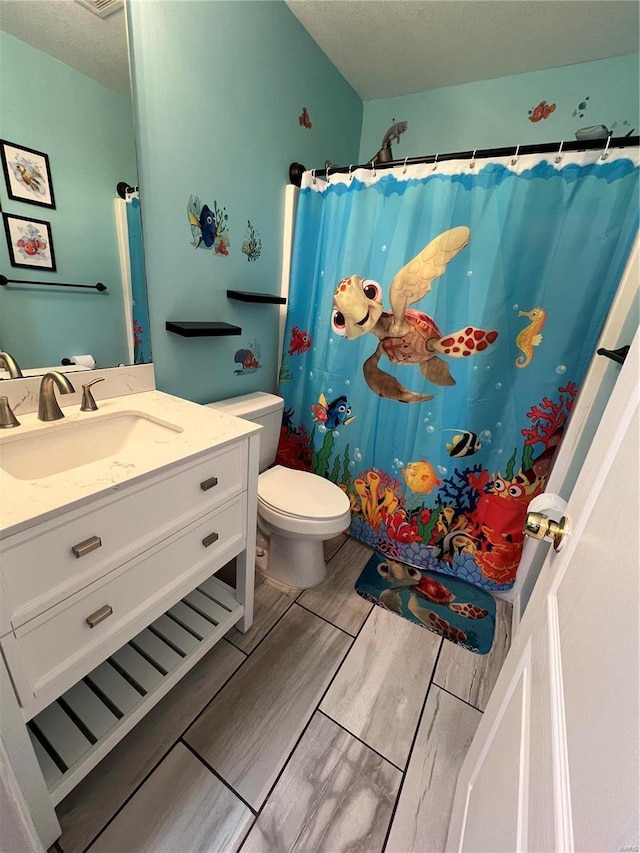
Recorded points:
(297,510)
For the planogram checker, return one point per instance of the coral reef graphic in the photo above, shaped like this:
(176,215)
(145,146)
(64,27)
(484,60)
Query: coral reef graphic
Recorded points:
(548,420)
(138,331)
(252,246)
(223,243)
(470,526)
(285,372)
(294,446)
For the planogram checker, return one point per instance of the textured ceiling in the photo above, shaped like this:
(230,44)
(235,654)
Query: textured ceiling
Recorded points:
(382,47)
(396,47)
(67,31)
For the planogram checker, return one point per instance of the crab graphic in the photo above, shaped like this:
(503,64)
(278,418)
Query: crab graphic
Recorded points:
(423,587)
(406,336)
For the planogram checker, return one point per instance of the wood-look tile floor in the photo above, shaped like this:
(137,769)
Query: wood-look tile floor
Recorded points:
(331,725)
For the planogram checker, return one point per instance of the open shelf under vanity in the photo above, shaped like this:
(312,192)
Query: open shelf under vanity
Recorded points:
(71,735)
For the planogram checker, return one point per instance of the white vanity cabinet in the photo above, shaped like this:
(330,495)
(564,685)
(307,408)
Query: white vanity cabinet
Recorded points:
(106,605)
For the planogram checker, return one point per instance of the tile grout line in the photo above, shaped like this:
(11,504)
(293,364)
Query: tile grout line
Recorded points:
(339,548)
(324,619)
(302,734)
(410,753)
(164,754)
(359,739)
(179,739)
(262,639)
(184,731)
(459,698)
(217,775)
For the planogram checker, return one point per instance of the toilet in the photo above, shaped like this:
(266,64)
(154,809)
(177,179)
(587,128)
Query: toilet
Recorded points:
(297,511)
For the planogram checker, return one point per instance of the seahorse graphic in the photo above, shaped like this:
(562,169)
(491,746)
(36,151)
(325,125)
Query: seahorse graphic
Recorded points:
(530,336)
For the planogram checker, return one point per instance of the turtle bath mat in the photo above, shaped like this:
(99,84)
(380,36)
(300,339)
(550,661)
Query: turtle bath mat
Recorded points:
(453,608)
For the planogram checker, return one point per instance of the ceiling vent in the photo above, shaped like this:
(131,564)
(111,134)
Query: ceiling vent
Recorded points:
(102,8)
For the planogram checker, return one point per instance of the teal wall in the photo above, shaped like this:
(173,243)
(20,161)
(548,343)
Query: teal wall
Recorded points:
(218,89)
(495,113)
(87,131)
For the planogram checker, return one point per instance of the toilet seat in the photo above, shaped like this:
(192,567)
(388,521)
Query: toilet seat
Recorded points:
(301,495)
(302,504)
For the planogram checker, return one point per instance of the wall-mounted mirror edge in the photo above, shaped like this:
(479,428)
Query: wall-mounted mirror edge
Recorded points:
(94,234)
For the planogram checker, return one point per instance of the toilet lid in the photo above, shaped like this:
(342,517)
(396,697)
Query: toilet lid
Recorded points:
(301,494)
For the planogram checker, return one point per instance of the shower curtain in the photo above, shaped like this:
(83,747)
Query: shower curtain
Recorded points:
(440,321)
(141,335)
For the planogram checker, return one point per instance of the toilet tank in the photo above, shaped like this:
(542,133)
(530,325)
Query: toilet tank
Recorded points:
(260,408)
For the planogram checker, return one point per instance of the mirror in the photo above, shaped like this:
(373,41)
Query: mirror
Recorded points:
(67,142)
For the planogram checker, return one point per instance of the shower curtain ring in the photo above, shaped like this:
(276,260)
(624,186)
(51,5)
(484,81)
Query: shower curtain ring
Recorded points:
(435,163)
(514,159)
(313,176)
(350,175)
(605,153)
(373,168)
(404,171)
(559,154)
(472,162)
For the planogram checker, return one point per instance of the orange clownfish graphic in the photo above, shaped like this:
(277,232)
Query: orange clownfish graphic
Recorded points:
(543,110)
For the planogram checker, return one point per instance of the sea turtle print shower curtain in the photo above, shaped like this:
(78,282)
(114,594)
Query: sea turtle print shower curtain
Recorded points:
(440,321)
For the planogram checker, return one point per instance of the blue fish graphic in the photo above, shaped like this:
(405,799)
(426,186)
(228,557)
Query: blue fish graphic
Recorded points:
(205,221)
(208,226)
(333,414)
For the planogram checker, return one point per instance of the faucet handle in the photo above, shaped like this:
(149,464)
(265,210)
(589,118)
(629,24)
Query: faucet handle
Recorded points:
(88,403)
(7,418)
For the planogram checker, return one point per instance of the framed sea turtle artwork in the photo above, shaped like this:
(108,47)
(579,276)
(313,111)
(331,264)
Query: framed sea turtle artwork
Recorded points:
(27,174)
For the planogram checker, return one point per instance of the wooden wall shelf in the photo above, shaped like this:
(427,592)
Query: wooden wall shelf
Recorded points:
(202,330)
(247,296)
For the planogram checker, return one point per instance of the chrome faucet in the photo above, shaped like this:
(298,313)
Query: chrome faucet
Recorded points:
(9,363)
(48,408)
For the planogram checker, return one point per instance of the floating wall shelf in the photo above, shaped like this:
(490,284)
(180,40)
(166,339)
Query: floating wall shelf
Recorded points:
(246,296)
(202,330)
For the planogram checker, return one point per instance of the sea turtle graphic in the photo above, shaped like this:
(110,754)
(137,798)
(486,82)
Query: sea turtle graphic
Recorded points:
(406,336)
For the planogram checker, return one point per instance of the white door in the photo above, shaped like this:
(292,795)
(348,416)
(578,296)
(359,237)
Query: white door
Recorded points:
(554,763)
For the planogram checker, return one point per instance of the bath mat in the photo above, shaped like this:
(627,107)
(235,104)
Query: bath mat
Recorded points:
(456,610)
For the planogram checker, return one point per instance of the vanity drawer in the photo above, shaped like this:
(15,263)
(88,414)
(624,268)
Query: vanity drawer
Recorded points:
(53,651)
(40,568)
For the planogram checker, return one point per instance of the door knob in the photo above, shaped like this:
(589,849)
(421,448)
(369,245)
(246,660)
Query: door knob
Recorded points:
(540,526)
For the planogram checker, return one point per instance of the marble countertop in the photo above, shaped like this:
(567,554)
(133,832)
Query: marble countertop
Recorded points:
(24,503)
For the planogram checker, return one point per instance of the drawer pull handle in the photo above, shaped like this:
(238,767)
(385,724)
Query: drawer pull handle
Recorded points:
(209,484)
(87,546)
(210,539)
(99,616)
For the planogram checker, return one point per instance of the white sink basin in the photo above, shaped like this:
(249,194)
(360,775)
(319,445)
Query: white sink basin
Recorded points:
(61,447)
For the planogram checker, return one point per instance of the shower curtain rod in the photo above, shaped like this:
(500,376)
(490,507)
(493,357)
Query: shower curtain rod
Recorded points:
(296,169)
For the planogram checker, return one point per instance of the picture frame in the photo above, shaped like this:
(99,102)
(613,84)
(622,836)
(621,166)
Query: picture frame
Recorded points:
(27,174)
(30,242)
